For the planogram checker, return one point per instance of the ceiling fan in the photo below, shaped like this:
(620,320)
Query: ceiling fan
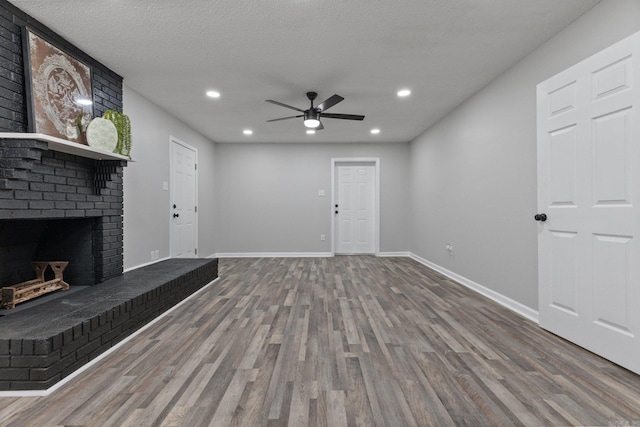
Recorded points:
(313,114)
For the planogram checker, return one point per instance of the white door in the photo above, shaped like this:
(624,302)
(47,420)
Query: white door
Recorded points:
(355,200)
(183,200)
(589,188)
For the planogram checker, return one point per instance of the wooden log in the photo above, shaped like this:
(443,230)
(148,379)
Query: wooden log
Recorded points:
(39,268)
(12,295)
(22,294)
(7,297)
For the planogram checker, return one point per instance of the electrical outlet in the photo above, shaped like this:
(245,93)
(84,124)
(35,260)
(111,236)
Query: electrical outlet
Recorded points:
(322,238)
(153,253)
(449,248)
(157,254)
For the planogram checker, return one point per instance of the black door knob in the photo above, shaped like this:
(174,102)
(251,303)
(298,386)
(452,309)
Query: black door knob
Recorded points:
(336,212)
(174,206)
(176,215)
(540,217)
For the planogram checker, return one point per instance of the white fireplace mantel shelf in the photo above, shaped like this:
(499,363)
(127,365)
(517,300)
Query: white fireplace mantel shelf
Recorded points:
(64,146)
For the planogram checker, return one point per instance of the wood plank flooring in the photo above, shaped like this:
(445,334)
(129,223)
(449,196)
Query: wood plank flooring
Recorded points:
(342,341)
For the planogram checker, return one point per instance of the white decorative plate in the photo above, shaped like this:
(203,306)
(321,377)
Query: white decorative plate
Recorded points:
(102,134)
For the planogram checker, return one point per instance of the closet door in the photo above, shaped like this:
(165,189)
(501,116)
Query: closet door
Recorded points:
(589,191)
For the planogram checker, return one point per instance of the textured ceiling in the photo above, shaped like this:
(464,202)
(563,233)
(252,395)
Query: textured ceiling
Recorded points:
(172,51)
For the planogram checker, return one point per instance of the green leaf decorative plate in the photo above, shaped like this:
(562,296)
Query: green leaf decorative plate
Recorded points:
(102,134)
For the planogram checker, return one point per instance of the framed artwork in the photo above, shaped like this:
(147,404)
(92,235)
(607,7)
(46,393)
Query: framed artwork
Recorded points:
(59,95)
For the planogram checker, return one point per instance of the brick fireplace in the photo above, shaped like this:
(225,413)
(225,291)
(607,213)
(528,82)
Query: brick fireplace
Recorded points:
(61,206)
(61,201)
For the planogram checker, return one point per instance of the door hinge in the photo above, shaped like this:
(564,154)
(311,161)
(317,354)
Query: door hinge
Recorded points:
(196,166)
(196,209)
(196,251)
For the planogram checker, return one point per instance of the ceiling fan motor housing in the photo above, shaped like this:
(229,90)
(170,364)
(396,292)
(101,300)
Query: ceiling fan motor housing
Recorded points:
(312,118)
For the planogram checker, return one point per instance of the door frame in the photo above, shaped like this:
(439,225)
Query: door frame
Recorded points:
(174,140)
(335,161)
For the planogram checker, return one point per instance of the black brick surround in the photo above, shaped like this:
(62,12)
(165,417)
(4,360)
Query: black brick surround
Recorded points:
(48,185)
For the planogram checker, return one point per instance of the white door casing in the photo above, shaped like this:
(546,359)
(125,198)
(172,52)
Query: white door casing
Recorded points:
(183,212)
(589,188)
(355,189)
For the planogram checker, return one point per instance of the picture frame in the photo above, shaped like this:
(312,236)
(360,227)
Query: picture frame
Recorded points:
(59,90)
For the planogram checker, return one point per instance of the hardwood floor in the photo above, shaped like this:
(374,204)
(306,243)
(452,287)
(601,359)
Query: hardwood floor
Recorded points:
(339,341)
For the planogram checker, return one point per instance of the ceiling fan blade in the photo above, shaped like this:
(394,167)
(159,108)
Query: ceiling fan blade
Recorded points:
(285,118)
(342,116)
(320,126)
(284,105)
(329,102)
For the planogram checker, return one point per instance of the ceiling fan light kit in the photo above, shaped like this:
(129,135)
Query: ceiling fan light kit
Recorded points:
(311,119)
(313,114)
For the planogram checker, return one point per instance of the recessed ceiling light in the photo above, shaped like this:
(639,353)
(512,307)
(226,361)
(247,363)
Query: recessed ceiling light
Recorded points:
(404,92)
(311,131)
(375,131)
(247,132)
(213,94)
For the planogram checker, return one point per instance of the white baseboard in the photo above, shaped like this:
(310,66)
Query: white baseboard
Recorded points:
(273,255)
(394,254)
(515,306)
(295,254)
(145,264)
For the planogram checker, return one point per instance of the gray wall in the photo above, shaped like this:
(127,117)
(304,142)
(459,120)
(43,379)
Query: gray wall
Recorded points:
(252,197)
(473,174)
(146,204)
(268,201)
(471,178)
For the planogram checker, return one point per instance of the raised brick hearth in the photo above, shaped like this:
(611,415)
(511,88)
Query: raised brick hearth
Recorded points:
(40,346)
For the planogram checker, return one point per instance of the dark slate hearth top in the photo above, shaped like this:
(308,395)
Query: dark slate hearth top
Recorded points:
(53,317)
